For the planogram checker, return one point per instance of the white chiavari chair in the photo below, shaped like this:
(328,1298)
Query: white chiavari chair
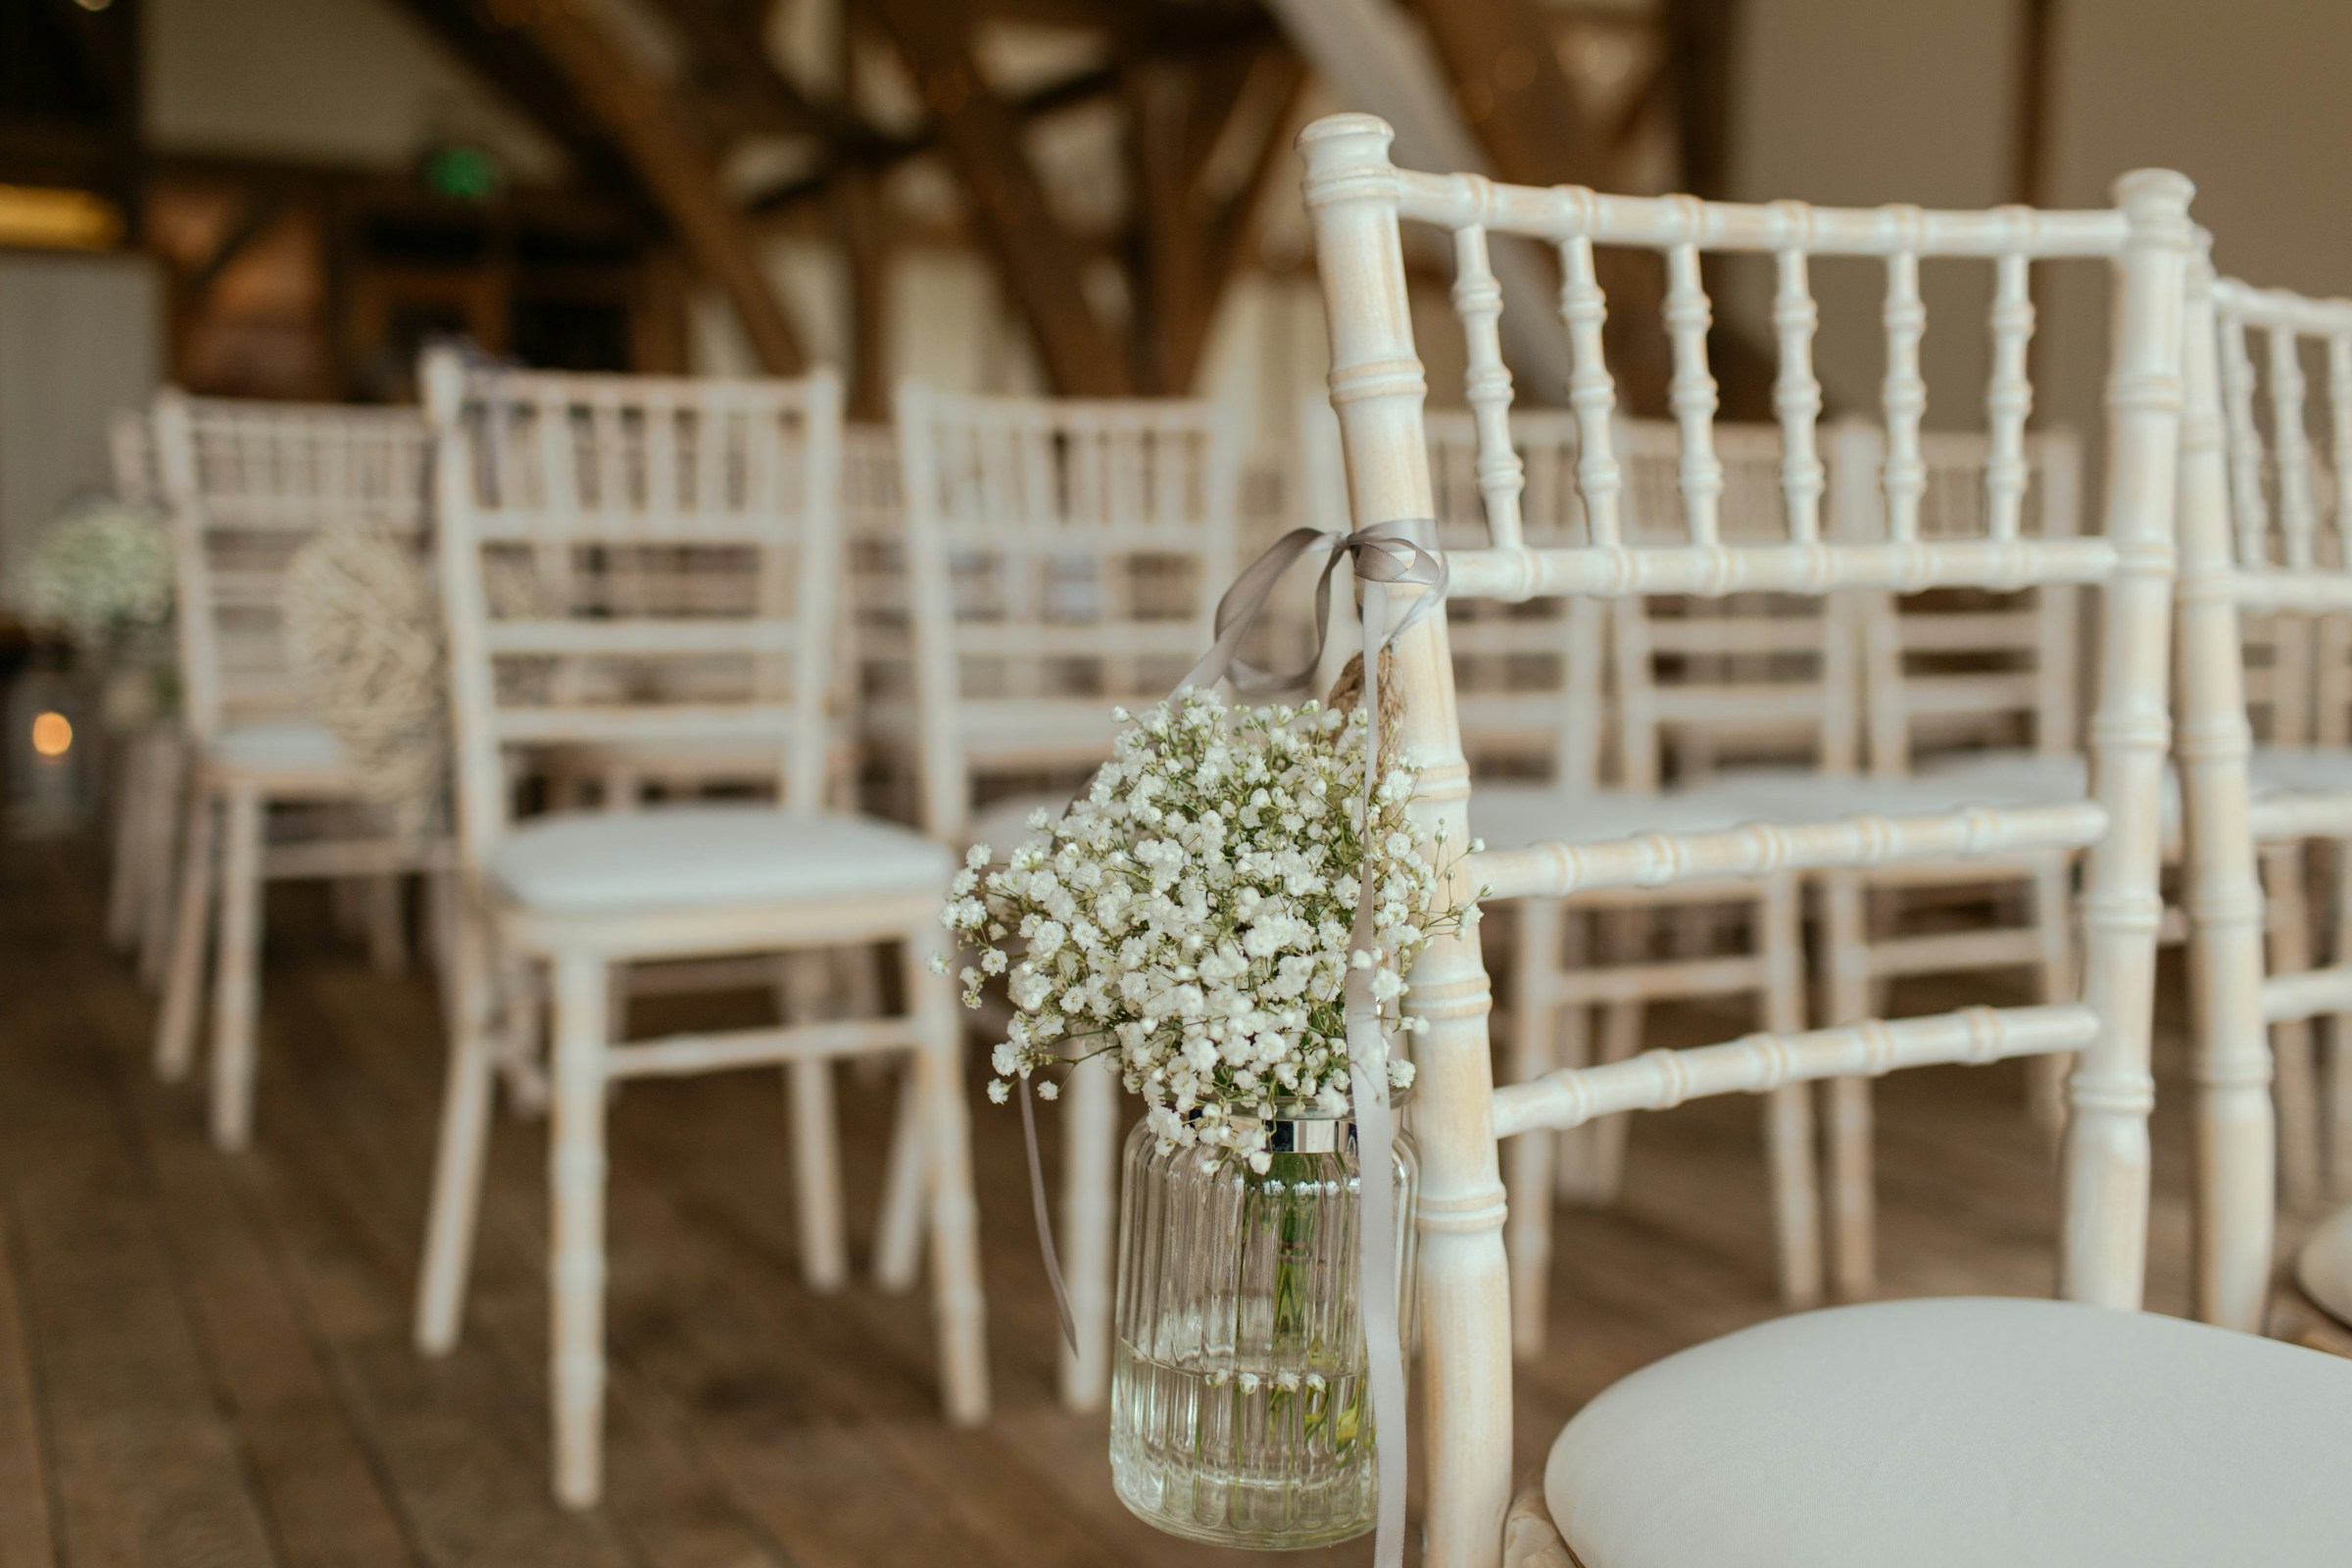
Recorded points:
(247,485)
(544,483)
(2062,1431)
(1063,558)
(2263,537)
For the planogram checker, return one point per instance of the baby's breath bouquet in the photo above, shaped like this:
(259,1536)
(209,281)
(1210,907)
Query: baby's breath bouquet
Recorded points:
(1190,916)
(101,569)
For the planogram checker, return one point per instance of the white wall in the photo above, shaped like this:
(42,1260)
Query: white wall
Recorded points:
(1865,101)
(81,337)
(351,81)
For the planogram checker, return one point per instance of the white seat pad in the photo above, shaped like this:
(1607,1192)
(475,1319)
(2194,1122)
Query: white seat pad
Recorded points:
(2300,770)
(1995,778)
(277,745)
(1510,816)
(708,856)
(1960,1432)
(2323,1266)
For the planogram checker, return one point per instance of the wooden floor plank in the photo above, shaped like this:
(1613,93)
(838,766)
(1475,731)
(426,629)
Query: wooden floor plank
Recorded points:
(26,1537)
(315,1473)
(150,1468)
(207,1360)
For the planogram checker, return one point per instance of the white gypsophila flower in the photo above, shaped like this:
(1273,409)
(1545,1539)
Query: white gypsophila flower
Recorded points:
(1187,921)
(101,567)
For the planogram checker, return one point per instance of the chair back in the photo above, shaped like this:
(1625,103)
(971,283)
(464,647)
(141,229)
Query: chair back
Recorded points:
(2284,392)
(1959,669)
(2263,534)
(131,457)
(636,560)
(1066,556)
(247,485)
(1357,201)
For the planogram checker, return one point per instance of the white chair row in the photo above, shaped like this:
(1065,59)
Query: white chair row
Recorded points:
(2069,1430)
(247,486)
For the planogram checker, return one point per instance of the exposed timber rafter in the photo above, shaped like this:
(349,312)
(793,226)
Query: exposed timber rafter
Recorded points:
(637,112)
(1041,268)
(1188,237)
(881,150)
(524,80)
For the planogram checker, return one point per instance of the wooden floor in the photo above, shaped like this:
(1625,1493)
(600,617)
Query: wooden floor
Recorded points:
(206,1360)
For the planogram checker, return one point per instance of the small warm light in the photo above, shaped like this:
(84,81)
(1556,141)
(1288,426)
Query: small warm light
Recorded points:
(93,5)
(52,734)
(66,220)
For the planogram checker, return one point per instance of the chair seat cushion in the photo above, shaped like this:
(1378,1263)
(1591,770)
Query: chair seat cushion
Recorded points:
(1959,1433)
(2323,1266)
(277,746)
(2300,770)
(1510,816)
(708,856)
(1998,778)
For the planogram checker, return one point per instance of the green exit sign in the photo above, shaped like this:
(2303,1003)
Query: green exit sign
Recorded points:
(462,174)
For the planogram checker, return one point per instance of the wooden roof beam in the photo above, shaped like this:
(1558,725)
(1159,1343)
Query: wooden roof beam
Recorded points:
(729,43)
(1503,58)
(1039,265)
(881,151)
(1187,243)
(518,74)
(638,114)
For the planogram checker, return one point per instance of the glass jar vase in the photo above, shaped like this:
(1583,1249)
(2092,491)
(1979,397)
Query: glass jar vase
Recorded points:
(1241,1409)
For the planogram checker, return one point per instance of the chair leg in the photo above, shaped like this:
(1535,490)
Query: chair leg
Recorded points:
(440,917)
(2298,1101)
(1535,1015)
(1621,1026)
(1789,1132)
(1572,1046)
(191,928)
(576,1260)
(236,980)
(2053,925)
(129,870)
(957,1304)
(465,1138)
(387,928)
(2338,1161)
(899,1234)
(1089,1185)
(815,1132)
(160,848)
(521,1042)
(1854,1261)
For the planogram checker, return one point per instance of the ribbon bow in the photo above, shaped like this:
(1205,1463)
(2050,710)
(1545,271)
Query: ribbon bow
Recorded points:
(1383,555)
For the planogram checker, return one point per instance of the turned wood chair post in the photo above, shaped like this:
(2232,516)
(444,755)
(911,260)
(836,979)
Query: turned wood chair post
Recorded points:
(2106,1160)
(2233,1125)
(1378,389)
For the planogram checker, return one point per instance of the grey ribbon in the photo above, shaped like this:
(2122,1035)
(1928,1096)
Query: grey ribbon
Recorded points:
(1384,554)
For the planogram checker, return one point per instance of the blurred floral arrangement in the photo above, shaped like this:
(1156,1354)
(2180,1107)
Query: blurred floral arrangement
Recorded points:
(100,572)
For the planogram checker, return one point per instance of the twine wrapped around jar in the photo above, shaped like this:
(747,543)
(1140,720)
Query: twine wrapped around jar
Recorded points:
(1347,691)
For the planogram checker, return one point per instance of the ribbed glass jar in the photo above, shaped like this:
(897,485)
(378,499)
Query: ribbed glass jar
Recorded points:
(1240,1410)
